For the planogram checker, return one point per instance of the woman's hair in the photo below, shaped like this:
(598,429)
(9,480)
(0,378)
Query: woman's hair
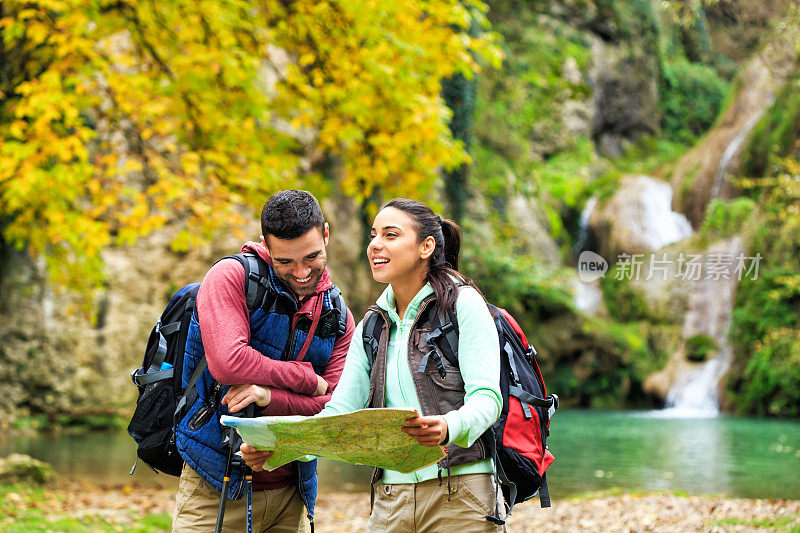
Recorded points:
(443,272)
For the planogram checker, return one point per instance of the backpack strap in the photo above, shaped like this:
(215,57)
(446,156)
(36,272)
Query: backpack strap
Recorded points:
(337,301)
(501,478)
(444,336)
(190,392)
(544,492)
(371,334)
(255,287)
(256,282)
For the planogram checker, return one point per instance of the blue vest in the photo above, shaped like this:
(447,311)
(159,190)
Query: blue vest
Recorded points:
(199,434)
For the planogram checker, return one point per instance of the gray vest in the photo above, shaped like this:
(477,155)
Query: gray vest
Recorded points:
(436,396)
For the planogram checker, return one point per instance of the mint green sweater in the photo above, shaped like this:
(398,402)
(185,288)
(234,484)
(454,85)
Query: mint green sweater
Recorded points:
(479,362)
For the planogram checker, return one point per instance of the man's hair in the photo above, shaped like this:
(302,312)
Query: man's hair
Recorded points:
(291,214)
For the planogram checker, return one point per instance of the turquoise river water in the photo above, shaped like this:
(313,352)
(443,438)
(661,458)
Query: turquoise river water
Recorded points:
(741,457)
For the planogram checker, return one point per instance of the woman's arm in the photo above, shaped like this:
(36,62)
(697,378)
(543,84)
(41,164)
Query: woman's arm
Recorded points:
(352,391)
(479,363)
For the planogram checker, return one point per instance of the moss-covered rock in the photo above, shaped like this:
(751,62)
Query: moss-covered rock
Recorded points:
(699,347)
(19,468)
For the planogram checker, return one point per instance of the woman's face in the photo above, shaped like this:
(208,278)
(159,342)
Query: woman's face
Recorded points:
(395,253)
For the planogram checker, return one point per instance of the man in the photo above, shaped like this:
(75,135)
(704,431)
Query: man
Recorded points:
(285,357)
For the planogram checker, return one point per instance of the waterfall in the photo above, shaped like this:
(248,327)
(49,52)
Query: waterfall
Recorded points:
(587,296)
(583,225)
(695,392)
(658,223)
(696,395)
(731,150)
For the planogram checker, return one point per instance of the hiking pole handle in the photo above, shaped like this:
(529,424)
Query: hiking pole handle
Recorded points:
(223,497)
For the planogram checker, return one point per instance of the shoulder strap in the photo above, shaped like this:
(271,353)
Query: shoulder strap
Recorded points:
(255,288)
(256,282)
(371,334)
(337,301)
(444,332)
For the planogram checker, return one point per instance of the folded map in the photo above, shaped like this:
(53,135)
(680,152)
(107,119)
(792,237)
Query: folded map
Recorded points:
(368,437)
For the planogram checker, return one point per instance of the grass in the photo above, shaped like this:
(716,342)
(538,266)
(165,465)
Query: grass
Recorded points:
(69,423)
(780,523)
(25,508)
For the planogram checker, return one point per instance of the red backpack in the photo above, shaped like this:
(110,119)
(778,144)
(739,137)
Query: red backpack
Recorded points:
(517,439)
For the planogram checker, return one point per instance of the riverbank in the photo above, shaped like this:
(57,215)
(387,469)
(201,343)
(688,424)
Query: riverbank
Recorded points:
(82,507)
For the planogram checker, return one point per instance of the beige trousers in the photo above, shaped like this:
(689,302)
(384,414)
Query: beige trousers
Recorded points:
(196,504)
(426,507)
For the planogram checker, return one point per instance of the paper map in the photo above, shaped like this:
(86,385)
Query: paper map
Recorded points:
(368,437)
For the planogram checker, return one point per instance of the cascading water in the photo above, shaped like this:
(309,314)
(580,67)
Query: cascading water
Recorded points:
(583,225)
(660,224)
(695,393)
(732,150)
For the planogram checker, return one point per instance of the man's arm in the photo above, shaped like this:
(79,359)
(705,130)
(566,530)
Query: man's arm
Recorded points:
(286,402)
(225,328)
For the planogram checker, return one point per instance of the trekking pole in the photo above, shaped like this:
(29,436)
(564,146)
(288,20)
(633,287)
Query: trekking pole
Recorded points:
(248,476)
(249,498)
(223,497)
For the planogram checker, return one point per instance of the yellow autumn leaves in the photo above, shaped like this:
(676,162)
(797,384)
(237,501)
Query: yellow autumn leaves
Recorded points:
(120,116)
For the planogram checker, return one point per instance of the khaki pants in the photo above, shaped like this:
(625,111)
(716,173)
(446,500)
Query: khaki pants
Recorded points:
(196,504)
(425,507)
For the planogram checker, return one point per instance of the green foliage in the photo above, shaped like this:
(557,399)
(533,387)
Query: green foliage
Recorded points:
(765,329)
(601,363)
(691,99)
(771,381)
(776,134)
(459,95)
(519,109)
(698,347)
(622,300)
(516,282)
(726,217)
(81,423)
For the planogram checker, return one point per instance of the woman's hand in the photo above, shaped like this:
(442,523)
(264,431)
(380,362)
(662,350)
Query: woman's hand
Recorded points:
(428,430)
(240,396)
(255,459)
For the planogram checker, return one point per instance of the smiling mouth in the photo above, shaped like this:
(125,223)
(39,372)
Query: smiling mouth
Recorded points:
(379,261)
(304,280)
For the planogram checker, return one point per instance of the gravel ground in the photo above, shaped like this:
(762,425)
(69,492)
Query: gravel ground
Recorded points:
(341,513)
(625,513)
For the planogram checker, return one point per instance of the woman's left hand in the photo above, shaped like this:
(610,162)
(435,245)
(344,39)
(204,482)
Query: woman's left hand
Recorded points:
(428,430)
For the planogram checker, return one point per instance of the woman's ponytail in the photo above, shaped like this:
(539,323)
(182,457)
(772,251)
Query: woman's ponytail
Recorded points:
(452,242)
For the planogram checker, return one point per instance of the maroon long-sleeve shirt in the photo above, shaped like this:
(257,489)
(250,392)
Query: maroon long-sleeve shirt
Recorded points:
(225,327)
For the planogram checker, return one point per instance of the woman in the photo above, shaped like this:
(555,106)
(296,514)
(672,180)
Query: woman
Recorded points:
(416,253)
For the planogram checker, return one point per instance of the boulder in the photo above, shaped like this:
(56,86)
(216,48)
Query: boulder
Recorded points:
(19,468)
(626,97)
(637,219)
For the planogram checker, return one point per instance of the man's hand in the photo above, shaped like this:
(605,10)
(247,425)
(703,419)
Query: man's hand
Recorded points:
(428,430)
(322,387)
(255,459)
(240,396)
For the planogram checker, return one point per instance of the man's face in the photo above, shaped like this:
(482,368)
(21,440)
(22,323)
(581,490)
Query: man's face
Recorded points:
(299,262)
